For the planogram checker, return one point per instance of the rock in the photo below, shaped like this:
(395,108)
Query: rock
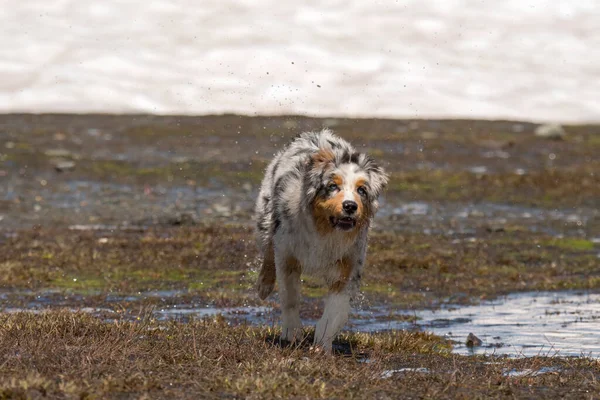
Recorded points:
(181,159)
(473,341)
(63,165)
(520,171)
(518,128)
(222,210)
(94,132)
(58,153)
(497,225)
(183,219)
(290,124)
(496,154)
(176,219)
(331,122)
(428,135)
(476,214)
(479,170)
(550,131)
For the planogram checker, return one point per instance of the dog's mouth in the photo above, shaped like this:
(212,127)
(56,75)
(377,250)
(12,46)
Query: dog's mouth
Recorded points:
(343,223)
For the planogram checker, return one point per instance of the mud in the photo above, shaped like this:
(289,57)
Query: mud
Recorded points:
(130,215)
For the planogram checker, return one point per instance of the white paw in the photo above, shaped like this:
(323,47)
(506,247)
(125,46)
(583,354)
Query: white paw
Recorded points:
(322,341)
(292,333)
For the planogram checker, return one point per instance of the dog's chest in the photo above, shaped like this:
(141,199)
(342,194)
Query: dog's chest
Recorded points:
(317,253)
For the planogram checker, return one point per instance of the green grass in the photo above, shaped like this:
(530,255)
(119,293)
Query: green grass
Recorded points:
(574,244)
(407,270)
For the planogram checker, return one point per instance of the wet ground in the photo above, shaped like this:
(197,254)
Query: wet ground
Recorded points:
(129,215)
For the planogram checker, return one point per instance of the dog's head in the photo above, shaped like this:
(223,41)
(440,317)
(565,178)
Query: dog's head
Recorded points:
(343,188)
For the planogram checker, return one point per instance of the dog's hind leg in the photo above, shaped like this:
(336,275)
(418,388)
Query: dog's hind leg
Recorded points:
(288,277)
(266,276)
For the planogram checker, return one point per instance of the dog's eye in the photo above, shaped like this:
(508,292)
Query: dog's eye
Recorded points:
(362,191)
(331,187)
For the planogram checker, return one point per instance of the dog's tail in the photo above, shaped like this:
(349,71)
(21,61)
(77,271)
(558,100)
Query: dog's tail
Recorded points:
(267,274)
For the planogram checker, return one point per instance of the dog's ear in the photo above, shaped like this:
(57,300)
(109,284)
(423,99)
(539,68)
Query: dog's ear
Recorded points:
(378,178)
(321,159)
(317,165)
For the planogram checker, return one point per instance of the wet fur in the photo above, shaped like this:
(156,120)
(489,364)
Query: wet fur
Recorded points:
(304,228)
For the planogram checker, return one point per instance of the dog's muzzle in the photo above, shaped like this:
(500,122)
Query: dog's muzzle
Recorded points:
(344,223)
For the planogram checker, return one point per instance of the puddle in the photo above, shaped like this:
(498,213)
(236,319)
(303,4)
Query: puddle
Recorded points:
(468,219)
(523,324)
(528,324)
(516,373)
(391,372)
(256,315)
(88,204)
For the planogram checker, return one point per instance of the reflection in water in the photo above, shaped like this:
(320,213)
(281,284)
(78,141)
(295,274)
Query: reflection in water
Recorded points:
(562,323)
(529,324)
(521,324)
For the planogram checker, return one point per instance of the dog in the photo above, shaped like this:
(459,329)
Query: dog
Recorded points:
(313,212)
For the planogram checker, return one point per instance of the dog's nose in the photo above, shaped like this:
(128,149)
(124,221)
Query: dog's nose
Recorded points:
(350,206)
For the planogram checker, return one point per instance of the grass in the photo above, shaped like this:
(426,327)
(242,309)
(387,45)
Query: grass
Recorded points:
(219,262)
(544,188)
(437,267)
(574,244)
(124,353)
(60,354)
(86,357)
(233,150)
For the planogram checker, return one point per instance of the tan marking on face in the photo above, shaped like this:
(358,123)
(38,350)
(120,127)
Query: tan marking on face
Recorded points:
(338,180)
(345,269)
(359,182)
(324,209)
(361,214)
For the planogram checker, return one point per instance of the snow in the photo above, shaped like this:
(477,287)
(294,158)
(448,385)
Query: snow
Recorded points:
(530,60)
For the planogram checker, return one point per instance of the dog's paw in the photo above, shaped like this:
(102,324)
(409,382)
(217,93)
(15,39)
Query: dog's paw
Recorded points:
(264,288)
(292,335)
(320,350)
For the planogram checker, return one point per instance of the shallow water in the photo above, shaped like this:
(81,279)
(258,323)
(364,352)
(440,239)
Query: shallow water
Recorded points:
(522,324)
(529,324)
(83,200)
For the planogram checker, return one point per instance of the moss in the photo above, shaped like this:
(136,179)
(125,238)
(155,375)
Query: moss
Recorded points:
(379,288)
(593,140)
(406,270)
(574,244)
(79,283)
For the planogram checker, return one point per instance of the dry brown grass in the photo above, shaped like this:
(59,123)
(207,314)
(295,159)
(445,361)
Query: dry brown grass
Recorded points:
(60,354)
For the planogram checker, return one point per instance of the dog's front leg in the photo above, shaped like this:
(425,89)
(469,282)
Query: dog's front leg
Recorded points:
(266,276)
(337,303)
(288,278)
